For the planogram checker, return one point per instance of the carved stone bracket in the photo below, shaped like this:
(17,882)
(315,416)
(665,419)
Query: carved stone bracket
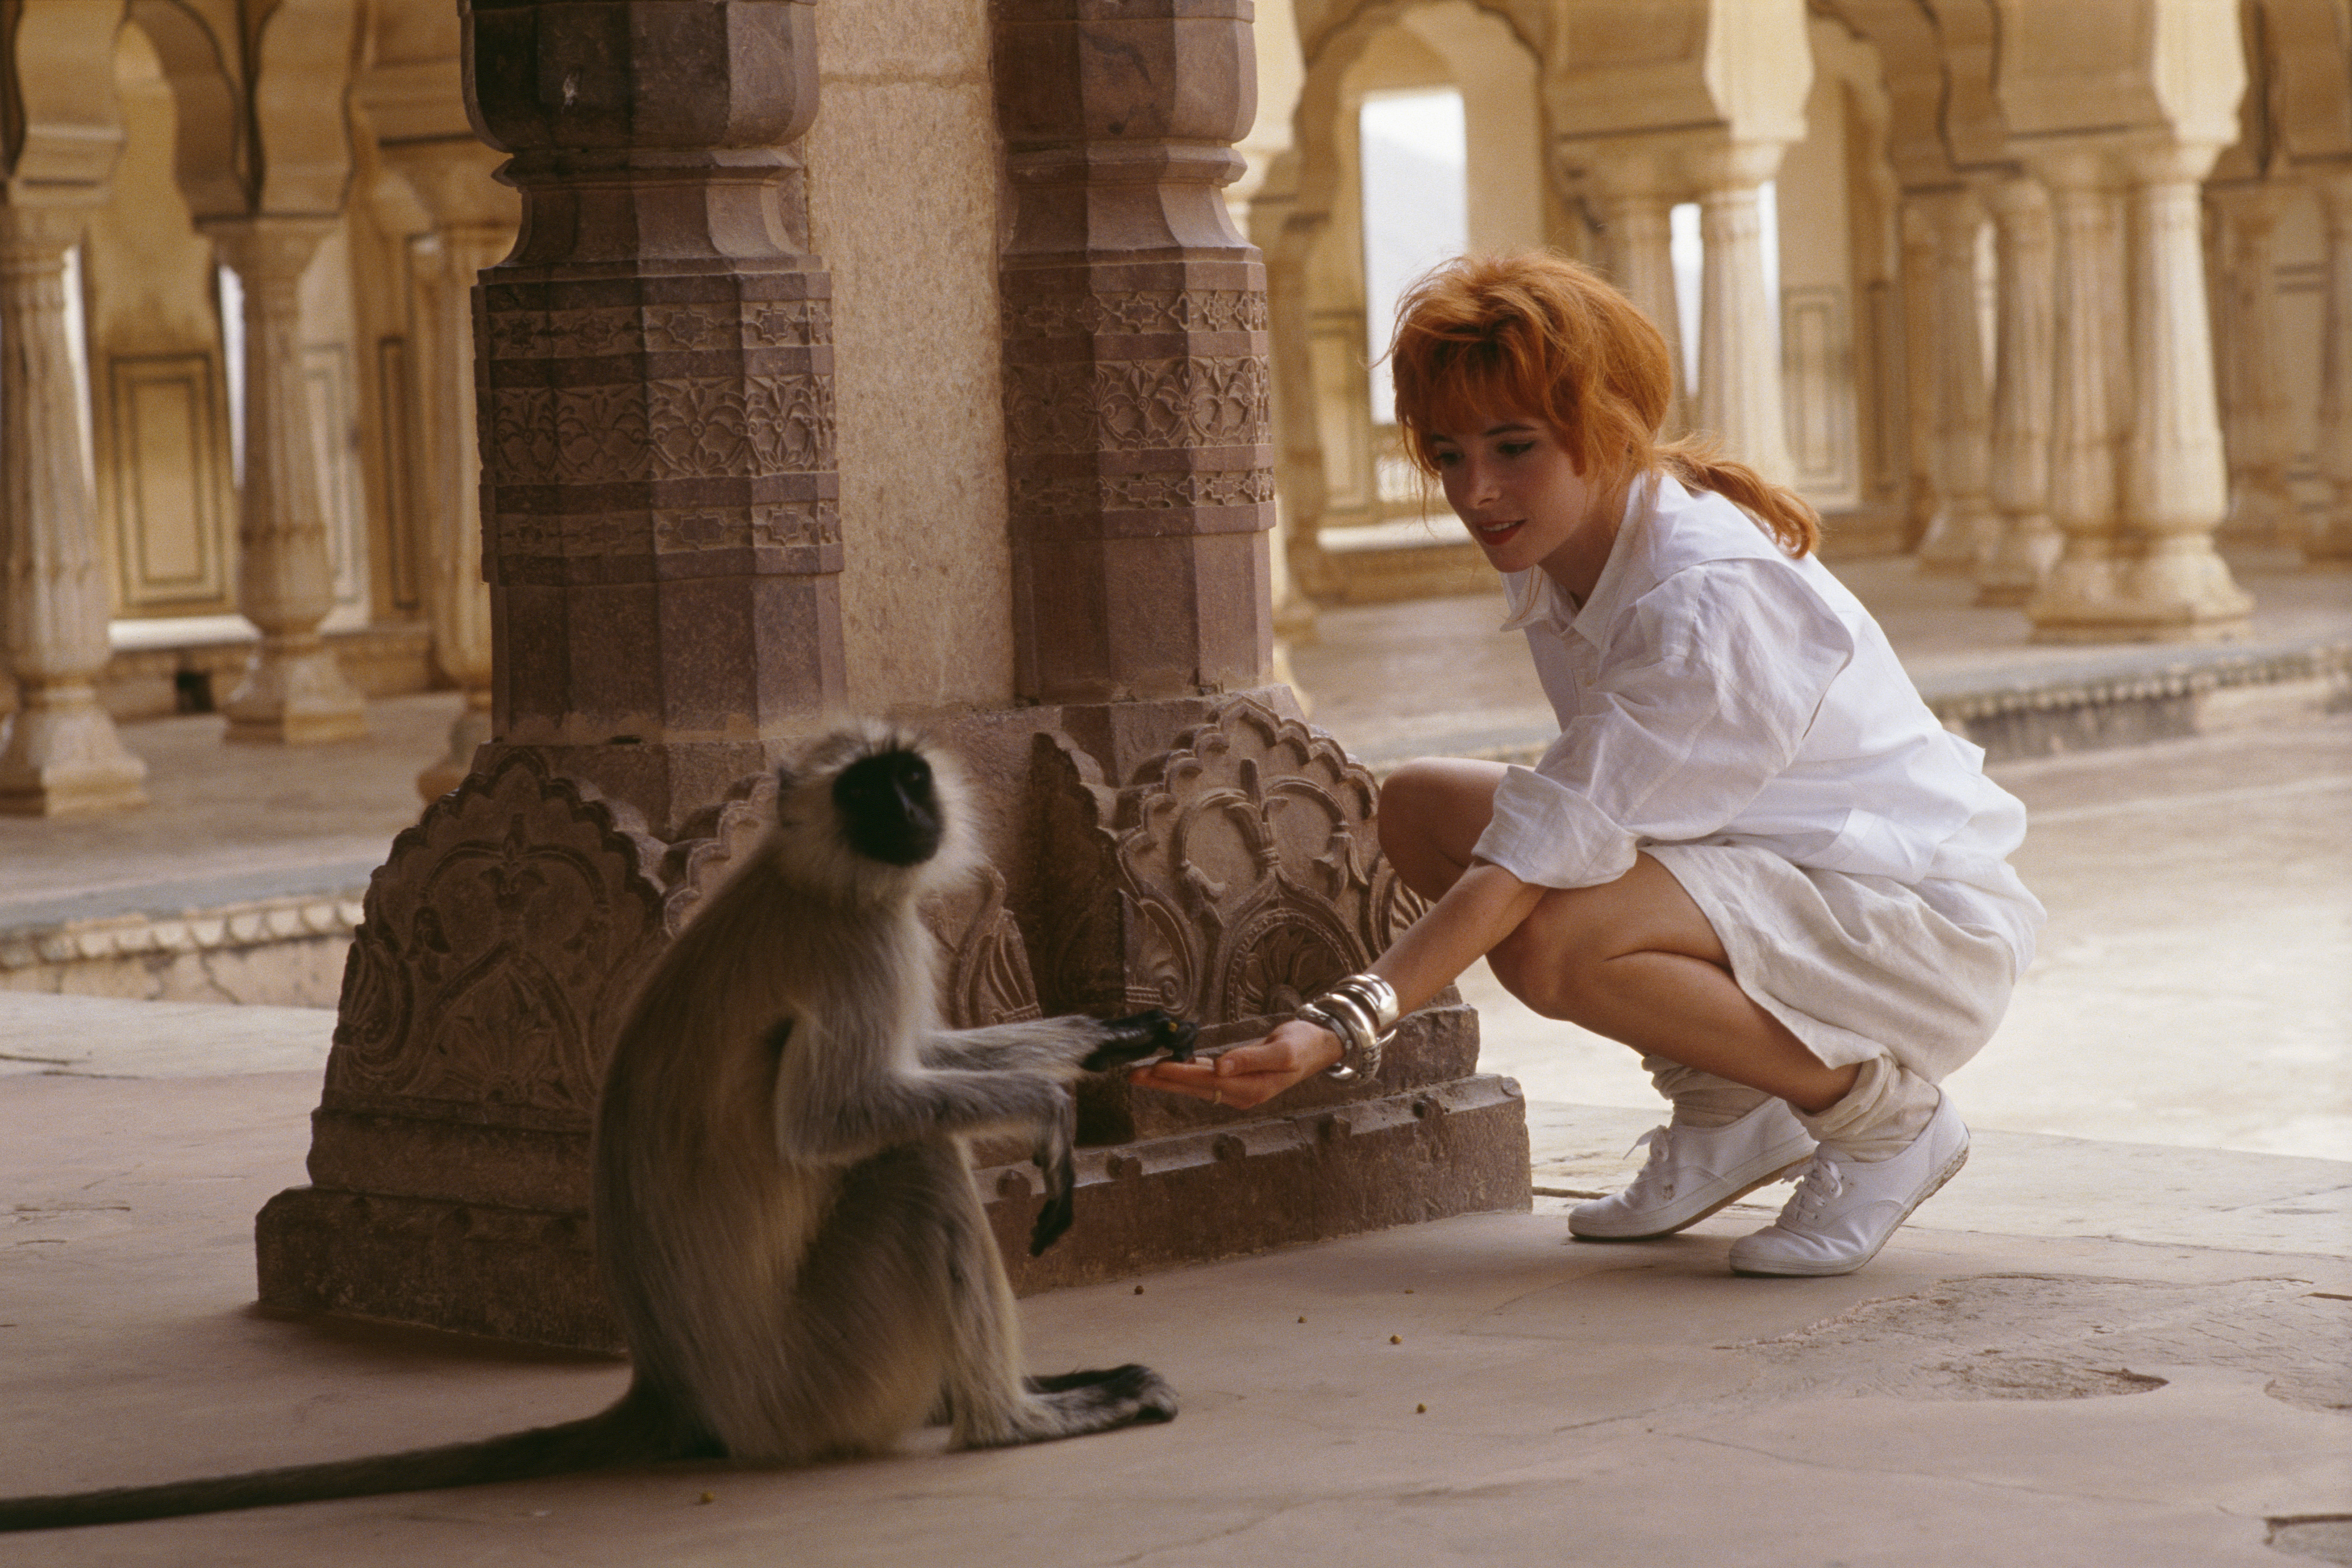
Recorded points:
(500,942)
(1237,877)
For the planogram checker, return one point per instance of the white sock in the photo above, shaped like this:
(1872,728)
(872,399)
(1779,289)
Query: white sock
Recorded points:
(1887,1108)
(1701,1099)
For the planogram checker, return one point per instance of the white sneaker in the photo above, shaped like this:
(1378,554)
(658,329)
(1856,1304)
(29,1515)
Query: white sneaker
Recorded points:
(1694,1171)
(1844,1210)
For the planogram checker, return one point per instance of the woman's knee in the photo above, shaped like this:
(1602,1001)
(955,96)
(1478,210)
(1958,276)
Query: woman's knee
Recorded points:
(1432,811)
(1553,967)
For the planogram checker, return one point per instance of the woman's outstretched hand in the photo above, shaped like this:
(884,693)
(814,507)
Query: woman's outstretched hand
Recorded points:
(1249,1073)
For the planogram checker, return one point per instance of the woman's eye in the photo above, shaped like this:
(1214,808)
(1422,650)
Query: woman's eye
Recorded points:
(1516,448)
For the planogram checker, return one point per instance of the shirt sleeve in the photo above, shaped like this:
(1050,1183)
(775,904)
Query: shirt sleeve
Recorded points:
(1706,686)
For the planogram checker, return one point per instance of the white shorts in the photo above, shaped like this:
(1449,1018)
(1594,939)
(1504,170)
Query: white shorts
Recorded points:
(1856,967)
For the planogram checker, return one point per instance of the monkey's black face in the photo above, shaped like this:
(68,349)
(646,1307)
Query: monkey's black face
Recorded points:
(890,812)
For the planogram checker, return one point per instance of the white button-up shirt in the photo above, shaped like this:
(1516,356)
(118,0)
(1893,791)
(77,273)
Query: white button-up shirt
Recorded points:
(1716,691)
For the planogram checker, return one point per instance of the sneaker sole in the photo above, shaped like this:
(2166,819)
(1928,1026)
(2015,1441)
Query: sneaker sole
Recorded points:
(1780,1175)
(1827,1270)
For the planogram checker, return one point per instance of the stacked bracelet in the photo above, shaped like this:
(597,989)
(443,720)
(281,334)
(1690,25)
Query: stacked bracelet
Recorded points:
(1361,1012)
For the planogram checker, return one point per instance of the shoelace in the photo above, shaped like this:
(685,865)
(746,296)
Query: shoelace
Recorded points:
(1654,1170)
(1817,1185)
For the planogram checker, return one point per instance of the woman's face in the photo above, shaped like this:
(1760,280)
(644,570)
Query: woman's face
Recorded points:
(1518,492)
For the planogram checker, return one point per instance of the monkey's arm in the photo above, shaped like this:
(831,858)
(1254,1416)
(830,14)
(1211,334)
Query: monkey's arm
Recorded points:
(836,1105)
(1065,1047)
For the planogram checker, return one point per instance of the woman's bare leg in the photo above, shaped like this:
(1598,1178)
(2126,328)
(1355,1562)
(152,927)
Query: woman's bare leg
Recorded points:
(1634,959)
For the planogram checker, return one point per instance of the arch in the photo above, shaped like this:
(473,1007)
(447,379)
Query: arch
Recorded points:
(1321,154)
(211,160)
(301,122)
(59,123)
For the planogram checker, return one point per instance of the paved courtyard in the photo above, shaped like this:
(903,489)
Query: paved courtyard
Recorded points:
(2118,1337)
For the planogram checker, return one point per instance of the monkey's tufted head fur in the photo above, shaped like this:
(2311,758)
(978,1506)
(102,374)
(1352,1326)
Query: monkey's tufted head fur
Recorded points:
(870,814)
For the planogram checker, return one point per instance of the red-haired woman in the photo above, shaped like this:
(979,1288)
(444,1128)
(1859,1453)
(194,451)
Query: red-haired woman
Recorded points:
(1752,855)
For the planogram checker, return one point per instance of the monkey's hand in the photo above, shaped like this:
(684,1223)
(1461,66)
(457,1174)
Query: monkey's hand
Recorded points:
(1131,1039)
(1056,1155)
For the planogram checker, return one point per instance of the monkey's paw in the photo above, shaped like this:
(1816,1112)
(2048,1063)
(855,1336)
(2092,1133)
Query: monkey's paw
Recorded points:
(1131,1039)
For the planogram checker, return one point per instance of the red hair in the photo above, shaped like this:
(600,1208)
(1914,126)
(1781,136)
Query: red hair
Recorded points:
(1540,336)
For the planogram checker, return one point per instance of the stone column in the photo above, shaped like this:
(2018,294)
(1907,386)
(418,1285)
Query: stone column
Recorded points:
(654,377)
(2176,488)
(1634,207)
(2330,543)
(60,754)
(1966,529)
(294,692)
(1923,495)
(654,371)
(2255,410)
(1739,398)
(2022,386)
(1136,417)
(2085,422)
(474,224)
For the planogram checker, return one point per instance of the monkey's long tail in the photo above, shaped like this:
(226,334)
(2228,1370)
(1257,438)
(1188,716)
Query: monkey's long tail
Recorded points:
(625,1434)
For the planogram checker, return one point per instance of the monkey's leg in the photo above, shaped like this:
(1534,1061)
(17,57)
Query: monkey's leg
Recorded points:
(993,1405)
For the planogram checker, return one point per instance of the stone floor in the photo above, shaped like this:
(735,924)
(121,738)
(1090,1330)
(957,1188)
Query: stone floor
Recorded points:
(2118,1338)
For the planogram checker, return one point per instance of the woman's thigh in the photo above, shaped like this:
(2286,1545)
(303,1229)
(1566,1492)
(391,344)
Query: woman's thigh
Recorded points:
(1557,951)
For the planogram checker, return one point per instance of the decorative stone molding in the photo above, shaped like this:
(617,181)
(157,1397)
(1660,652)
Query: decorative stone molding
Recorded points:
(259,922)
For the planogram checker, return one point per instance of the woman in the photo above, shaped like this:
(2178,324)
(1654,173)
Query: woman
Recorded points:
(1752,855)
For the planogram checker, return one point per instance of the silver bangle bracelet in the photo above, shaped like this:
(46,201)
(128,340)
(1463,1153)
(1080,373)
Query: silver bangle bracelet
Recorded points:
(1344,1028)
(1376,996)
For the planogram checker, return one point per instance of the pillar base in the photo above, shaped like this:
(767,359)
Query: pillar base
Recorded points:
(446,1260)
(470,731)
(294,694)
(64,759)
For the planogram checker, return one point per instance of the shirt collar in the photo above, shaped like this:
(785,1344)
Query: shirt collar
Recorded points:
(1533,599)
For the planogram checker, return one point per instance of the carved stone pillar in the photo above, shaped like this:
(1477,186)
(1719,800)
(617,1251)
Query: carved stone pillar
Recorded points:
(1966,530)
(474,223)
(1136,397)
(60,754)
(2255,409)
(294,692)
(2330,543)
(2177,480)
(1740,400)
(1634,205)
(1923,495)
(2086,413)
(2022,386)
(653,368)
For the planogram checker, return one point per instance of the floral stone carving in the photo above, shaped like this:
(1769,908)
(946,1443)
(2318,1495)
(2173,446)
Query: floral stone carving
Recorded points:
(502,940)
(1236,876)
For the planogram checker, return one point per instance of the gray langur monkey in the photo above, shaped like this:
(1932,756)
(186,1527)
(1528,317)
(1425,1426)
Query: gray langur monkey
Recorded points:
(784,1213)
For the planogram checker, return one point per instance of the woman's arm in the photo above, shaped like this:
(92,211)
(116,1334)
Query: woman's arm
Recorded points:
(1485,905)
